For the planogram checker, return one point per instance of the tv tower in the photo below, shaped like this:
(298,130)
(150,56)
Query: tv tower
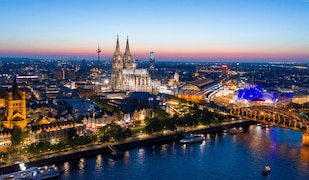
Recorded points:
(98,51)
(152,61)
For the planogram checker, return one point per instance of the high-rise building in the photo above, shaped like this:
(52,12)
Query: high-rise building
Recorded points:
(125,76)
(176,77)
(152,61)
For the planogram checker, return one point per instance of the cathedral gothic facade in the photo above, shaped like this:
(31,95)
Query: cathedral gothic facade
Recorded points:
(125,76)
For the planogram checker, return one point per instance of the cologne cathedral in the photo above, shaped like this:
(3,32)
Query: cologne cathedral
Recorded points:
(125,76)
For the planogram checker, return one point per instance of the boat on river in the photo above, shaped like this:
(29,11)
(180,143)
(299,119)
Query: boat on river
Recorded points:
(234,131)
(192,138)
(267,126)
(266,170)
(38,173)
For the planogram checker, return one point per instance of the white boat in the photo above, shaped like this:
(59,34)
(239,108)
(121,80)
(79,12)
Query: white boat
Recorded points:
(233,131)
(38,173)
(267,125)
(266,170)
(192,138)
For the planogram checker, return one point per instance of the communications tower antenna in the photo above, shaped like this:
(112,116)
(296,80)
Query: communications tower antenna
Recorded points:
(98,51)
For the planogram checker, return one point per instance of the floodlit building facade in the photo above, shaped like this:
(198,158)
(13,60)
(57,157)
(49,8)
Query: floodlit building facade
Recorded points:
(125,76)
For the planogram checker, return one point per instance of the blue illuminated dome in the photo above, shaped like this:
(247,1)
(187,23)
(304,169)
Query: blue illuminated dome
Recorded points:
(255,93)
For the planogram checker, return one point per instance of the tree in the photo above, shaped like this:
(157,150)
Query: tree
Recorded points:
(17,136)
(154,126)
(4,156)
(113,132)
(2,116)
(161,114)
(119,114)
(169,124)
(72,133)
(294,105)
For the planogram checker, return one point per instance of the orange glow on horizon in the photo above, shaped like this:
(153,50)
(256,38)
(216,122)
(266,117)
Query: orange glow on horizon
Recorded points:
(252,55)
(159,54)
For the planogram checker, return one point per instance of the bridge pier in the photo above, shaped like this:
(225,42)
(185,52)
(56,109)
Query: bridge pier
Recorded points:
(305,141)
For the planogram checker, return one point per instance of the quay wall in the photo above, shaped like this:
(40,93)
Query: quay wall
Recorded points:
(121,145)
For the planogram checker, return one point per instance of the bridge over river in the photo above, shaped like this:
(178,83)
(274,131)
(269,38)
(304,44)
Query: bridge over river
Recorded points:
(275,116)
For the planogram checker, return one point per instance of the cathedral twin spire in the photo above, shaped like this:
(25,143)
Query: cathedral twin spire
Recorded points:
(117,51)
(127,59)
(125,76)
(127,48)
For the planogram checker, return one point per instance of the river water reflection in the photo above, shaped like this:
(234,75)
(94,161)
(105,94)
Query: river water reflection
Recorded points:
(224,156)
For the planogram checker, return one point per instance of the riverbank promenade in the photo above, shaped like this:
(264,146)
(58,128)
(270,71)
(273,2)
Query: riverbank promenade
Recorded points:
(102,148)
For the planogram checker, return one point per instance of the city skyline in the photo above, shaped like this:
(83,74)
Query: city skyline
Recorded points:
(185,30)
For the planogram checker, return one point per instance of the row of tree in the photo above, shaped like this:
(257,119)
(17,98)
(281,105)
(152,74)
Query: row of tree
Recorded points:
(114,132)
(197,116)
(161,121)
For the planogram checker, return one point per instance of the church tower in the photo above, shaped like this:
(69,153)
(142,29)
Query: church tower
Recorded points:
(125,76)
(127,57)
(16,112)
(117,66)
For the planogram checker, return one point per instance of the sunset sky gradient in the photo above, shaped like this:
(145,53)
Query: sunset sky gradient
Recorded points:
(173,29)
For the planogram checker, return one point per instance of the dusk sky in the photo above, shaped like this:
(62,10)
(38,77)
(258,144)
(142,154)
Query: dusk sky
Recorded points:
(178,29)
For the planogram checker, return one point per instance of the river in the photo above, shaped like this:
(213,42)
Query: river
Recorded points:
(220,156)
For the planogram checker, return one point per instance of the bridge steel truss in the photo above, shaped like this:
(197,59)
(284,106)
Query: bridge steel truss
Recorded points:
(275,116)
